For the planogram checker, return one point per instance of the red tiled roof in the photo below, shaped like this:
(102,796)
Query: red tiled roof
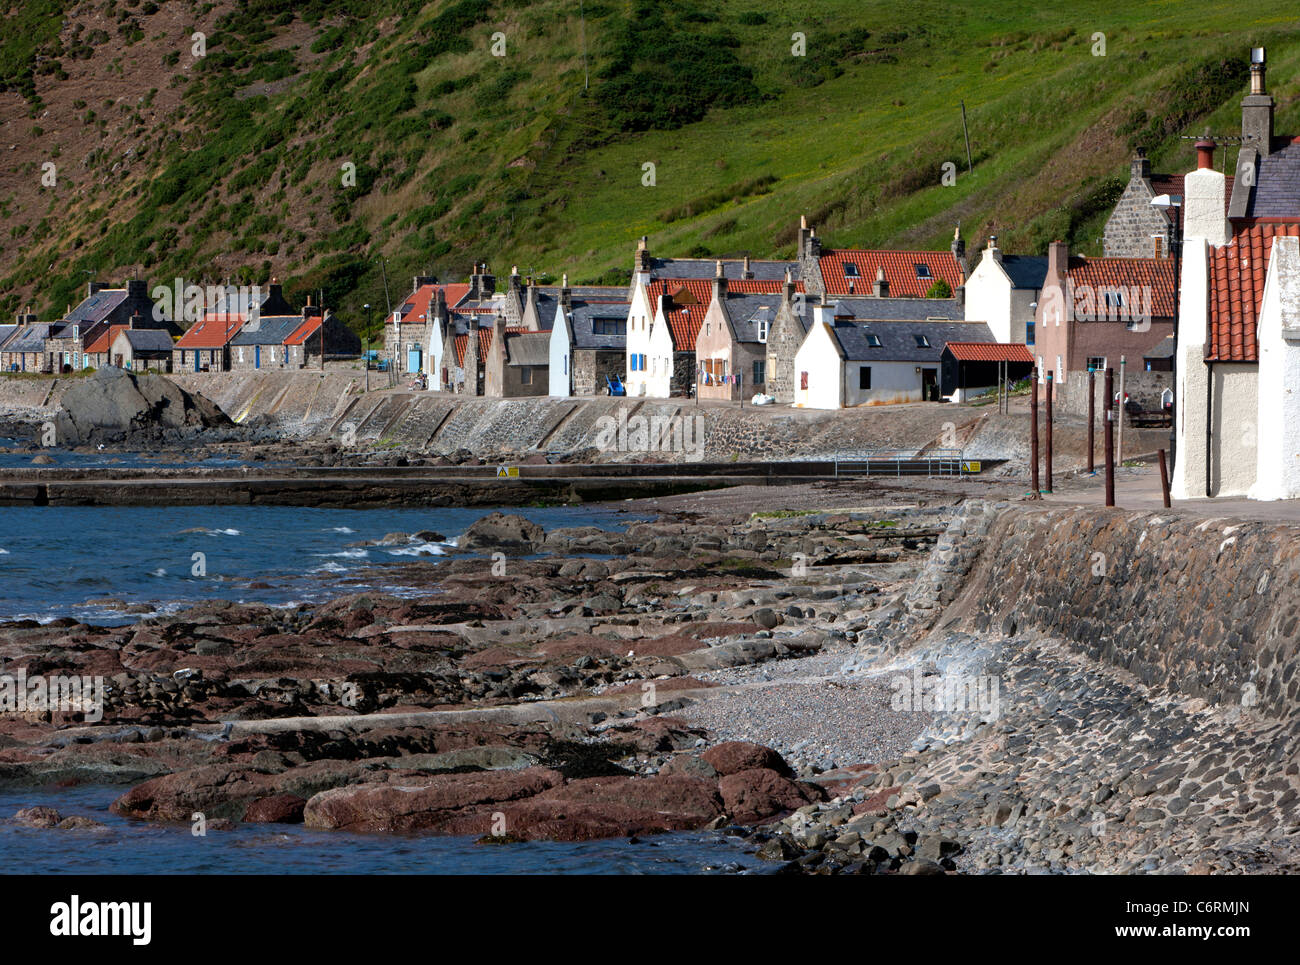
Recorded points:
(214,330)
(420,299)
(484,342)
(990,352)
(102,343)
(1108,274)
(900,271)
(685,317)
(304,331)
(1237,273)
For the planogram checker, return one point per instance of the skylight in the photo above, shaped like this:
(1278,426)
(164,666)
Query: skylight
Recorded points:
(921,341)
(873,341)
(923,271)
(851,270)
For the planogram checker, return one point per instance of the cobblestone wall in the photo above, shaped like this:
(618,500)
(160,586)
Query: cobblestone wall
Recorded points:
(1208,608)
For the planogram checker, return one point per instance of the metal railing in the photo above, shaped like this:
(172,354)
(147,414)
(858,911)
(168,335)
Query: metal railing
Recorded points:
(891,462)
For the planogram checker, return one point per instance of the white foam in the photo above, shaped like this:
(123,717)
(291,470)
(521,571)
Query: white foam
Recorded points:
(434,549)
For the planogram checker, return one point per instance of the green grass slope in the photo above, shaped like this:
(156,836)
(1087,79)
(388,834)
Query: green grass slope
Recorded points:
(231,165)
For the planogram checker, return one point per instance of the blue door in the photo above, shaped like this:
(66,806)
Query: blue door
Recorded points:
(413,359)
(196,360)
(257,356)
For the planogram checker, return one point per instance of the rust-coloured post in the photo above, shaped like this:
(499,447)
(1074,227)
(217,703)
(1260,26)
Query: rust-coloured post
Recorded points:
(1048,460)
(1110,437)
(1164,478)
(1092,418)
(1033,432)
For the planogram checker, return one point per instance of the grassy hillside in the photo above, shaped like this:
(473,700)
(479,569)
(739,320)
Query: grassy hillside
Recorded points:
(231,165)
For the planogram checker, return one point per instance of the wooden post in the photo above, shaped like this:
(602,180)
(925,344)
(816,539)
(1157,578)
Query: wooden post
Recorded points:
(1092,418)
(1110,437)
(1164,478)
(1119,429)
(1048,460)
(1033,432)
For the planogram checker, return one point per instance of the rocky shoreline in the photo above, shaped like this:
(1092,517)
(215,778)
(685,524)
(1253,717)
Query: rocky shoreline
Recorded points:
(730,671)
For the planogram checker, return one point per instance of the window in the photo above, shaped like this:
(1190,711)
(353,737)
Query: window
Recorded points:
(525,375)
(1160,244)
(873,341)
(864,378)
(851,270)
(1097,363)
(762,330)
(760,372)
(921,341)
(609,326)
(1029,333)
(803,381)
(922,271)
(1114,298)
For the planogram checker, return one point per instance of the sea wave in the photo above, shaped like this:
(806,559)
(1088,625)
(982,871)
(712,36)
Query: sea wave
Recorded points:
(418,549)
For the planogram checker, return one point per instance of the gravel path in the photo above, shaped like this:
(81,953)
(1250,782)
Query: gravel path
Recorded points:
(807,711)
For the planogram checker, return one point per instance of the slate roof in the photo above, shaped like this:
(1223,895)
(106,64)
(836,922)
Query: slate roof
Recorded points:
(6,333)
(900,271)
(211,331)
(582,314)
(149,339)
(1237,272)
(898,339)
(1108,274)
(990,352)
(98,306)
(1276,193)
(269,330)
(898,309)
(1163,349)
(31,338)
(528,348)
(749,313)
(1025,271)
(732,268)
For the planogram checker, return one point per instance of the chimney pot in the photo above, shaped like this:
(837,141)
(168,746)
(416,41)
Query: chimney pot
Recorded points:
(1205,154)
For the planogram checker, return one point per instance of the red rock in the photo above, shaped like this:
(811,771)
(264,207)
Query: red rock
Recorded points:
(733,757)
(760,793)
(276,809)
(424,806)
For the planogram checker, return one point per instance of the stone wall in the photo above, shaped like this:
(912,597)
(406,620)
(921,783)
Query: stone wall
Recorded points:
(1144,388)
(1207,608)
(590,366)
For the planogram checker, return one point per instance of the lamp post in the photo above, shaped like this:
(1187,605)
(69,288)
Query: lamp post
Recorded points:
(1173,203)
(366,306)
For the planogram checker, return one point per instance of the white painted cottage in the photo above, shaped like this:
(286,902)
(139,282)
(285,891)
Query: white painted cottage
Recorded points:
(1002,292)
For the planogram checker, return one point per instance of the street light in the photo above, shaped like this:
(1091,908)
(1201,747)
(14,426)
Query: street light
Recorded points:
(366,306)
(1172,204)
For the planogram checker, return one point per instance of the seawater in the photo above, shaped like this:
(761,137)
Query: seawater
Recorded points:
(133,847)
(54,560)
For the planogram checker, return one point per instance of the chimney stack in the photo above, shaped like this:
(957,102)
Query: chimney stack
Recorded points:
(748,272)
(566,296)
(719,284)
(641,262)
(1257,108)
(881,288)
(1140,168)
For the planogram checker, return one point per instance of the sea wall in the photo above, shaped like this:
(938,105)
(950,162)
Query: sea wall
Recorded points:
(1206,607)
